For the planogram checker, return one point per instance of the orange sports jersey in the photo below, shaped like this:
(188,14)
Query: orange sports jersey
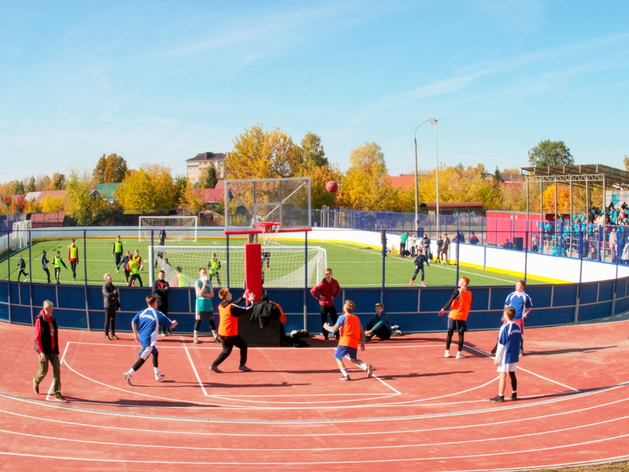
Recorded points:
(228,324)
(350,331)
(461,306)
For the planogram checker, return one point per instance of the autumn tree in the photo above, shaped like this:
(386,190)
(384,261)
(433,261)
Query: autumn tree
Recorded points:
(52,204)
(58,181)
(260,154)
(16,187)
(625,161)
(191,199)
(42,182)
(364,186)
(148,190)
(79,200)
(110,169)
(550,153)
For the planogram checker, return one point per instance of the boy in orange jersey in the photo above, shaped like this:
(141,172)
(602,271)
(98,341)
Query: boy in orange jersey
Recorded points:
(350,335)
(460,303)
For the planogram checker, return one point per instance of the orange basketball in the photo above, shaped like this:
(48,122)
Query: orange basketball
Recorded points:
(332,186)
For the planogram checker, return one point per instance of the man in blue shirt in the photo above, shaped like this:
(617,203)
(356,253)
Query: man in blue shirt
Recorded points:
(146,326)
(523,306)
(508,354)
(379,325)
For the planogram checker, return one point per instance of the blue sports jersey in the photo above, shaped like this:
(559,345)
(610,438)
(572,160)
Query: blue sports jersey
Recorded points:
(148,322)
(510,337)
(519,301)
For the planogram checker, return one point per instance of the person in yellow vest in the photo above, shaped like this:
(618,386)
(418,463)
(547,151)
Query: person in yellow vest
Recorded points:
(117,252)
(228,327)
(57,262)
(351,334)
(460,303)
(213,267)
(135,264)
(73,257)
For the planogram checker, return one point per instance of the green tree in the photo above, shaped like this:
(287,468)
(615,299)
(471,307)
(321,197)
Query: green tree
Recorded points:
(58,181)
(550,153)
(16,188)
(210,179)
(148,190)
(31,185)
(260,154)
(42,183)
(191,200)
(311,151)
(79,201)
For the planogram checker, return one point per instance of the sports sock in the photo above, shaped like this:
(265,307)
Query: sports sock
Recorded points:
(362,365)
(344,371)
(131,371)
(156,369)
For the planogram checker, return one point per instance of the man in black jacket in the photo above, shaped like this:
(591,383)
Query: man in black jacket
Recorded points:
(47,347)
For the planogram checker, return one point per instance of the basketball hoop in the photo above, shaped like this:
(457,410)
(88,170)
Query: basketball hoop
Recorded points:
(269,231)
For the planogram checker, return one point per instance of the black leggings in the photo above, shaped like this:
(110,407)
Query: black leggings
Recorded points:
(228,343)
(141,362)
(197,324)
(325,311)
(514,381)
(449,339)
(110,319)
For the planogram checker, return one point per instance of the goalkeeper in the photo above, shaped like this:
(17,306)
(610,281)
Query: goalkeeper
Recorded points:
(213,267)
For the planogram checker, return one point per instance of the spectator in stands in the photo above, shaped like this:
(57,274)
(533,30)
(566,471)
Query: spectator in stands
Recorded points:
(508,244)
(534,243)
(445,251)
(425,242)
(403,239)
(474,238)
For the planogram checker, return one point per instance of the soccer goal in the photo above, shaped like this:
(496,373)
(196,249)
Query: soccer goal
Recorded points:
(282,266)
(177,228)
(20,234)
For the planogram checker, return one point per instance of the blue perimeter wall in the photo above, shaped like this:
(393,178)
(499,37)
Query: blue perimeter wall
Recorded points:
(414,309)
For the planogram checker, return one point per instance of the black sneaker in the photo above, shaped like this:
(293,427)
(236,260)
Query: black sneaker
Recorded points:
(514,396)
(498,399)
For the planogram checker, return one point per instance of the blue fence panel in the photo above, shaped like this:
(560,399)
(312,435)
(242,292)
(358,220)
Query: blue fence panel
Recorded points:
(588,293)
(565,295)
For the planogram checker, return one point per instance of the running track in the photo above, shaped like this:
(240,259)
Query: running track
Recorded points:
(421,412)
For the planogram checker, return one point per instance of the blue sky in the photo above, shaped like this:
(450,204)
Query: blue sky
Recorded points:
(161,81)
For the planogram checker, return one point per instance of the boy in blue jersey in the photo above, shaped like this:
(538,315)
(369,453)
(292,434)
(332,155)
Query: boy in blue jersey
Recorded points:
(523,305)
(146,324)
(508,354)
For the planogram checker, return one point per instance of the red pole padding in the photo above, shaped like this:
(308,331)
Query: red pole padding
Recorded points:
(253,269)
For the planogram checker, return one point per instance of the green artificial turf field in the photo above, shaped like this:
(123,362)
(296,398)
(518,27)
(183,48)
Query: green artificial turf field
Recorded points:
(353,266)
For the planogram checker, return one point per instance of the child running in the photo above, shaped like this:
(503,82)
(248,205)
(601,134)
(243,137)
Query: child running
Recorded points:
(508,354)
(351,334)
(419,262)
(146,323)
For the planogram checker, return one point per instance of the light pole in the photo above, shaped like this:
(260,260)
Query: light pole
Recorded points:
(432,122)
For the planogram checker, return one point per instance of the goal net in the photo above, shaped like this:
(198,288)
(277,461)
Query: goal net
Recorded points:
(20,234)
(282,266)
(177,228)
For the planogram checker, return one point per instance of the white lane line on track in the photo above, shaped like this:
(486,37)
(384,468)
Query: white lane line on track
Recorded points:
(301,423)
(529,372)
(194,369)
(512,453)
(63,356)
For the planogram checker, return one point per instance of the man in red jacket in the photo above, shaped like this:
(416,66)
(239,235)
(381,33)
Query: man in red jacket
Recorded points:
(47,347)
(326,291)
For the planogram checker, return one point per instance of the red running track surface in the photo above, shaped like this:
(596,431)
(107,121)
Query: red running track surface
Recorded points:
(421,411)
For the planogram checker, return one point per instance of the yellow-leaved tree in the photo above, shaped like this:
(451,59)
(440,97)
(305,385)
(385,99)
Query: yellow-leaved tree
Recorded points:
(148,190)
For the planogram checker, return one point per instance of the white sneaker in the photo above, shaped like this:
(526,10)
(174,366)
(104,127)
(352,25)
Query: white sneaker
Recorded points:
(459,355)
(159,377)
(447,353)
(127,377)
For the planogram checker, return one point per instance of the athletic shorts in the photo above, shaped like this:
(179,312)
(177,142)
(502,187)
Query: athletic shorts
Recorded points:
(507,367)
(342,351)
(205,315)
(520,323)
(457,325)
(147,351)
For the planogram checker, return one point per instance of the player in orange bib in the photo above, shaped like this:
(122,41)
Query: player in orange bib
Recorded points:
(228,327)
(350,335)
(460,303)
